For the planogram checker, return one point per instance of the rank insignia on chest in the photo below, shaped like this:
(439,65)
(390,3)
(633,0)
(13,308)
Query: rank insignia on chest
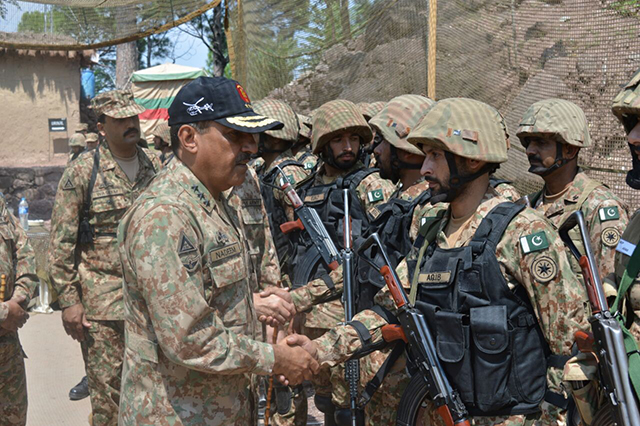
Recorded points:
(375,195)
(608,213)
(222,238)
(534,242)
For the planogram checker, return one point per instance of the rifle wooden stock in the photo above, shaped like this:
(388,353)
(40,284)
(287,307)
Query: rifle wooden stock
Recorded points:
(295,225)
(393,332)
(3,286)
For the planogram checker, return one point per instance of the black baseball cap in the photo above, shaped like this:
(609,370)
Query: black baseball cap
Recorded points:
(221,100)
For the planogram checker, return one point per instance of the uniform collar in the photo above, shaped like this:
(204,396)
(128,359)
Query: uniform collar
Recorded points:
(322,172)
(570,197)
(108,162)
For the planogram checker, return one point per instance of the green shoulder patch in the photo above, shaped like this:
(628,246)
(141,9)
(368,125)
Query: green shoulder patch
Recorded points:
(608,213)
(308,166)
(68,184)
(534,242)
(375,195)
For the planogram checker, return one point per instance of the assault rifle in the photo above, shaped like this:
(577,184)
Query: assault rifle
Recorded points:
(309,220)
(413,330)
(606,340)
(352,367)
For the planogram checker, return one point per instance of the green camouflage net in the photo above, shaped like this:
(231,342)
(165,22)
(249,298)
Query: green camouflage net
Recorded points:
(90,24)
(508,53)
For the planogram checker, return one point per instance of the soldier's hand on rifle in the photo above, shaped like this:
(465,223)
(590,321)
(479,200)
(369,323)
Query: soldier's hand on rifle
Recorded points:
(16,316)
(274,306)
(75,321)
(293,364)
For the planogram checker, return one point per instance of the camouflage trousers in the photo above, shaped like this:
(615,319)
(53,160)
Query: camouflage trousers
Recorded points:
(13,382)
(103,353)
(297,415)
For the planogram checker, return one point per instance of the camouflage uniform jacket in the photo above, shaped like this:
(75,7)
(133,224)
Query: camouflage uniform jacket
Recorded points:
(557,296)
(17,260)
(604,213)
(328,314)
(246,200)
(91,273)
(294,173)
(507,191)
(189,316)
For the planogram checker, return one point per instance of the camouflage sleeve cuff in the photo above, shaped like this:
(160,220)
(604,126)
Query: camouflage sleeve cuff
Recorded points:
(21,291)
(4,311)
(265,363)
(337,346)
(69,296)
(301,299)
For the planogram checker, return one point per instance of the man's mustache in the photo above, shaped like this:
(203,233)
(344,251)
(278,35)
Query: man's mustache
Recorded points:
(243,158)
(433,179)
(132,130)
(534,159)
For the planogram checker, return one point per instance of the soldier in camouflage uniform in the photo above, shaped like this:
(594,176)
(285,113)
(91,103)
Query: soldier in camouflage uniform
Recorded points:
(339,130)
(82,129)
(582,372)
(301,150)
(190,319)
(83,258)
(18,265)
(553,131)
(464,141)
(77,145)
(92,141)
(162,142)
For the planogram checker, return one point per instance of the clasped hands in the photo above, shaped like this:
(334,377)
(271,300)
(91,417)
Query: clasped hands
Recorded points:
(295,359)
(274,306)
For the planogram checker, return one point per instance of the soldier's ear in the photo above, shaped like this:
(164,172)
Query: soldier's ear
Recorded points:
(570,151)
(473,165)
(187,136)
(100,127)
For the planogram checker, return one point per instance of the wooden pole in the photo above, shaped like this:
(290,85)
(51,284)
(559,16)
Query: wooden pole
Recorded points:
(431,50)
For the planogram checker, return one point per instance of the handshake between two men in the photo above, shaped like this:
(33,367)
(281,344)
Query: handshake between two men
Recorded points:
(295,354)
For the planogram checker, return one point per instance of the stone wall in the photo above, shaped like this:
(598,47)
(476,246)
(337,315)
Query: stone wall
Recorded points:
(37,184)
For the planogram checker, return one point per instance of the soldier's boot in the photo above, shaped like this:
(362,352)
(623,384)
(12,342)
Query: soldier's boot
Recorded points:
(324,404)
(80,391)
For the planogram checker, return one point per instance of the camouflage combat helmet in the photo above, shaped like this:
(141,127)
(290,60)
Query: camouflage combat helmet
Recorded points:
(464,127)
(116,104)
(162,131)
(77,139)
(91,137)
(335,117)
(399,116)
(305,126)
(282,112)
(369,109)
(626,106)
(556,117)
(82,127)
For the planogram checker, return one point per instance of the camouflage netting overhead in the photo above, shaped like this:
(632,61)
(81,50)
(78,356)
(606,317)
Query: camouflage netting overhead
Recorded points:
(508,53)
(88,24)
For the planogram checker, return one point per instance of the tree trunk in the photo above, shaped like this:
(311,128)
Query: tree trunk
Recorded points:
(127,53)
(218,42)
(345,22)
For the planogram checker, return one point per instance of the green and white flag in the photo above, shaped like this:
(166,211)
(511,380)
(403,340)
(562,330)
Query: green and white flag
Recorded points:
(534,242)
(608,213)
(375,195)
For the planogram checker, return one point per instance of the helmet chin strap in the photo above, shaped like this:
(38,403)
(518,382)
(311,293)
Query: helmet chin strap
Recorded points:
(559,162)
(633,175)
(457,181)
(397,165)
(262,148)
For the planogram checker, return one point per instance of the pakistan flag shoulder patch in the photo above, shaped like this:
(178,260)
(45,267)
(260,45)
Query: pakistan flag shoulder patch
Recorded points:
(375,195)
(608,213)
(534,242)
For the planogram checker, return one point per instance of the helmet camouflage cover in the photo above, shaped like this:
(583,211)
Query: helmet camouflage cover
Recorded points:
(399,116)
(91,137)
(162,131)
(370,109)
(335,117)
(464,127)
(305,126)
(556,117)
(282,112)
(77,139)
(626,105)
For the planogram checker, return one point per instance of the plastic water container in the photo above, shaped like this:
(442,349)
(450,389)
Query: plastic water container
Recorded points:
(23,213)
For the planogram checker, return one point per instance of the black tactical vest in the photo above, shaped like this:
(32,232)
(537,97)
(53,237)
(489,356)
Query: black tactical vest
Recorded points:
(328,201)
(276,213)
(487,336)
(392,223)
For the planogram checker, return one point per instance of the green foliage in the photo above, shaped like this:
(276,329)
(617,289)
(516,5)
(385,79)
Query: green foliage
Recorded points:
(4,7)
(626,7)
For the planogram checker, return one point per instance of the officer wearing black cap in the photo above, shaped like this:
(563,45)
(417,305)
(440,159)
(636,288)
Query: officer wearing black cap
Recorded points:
(189,317)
